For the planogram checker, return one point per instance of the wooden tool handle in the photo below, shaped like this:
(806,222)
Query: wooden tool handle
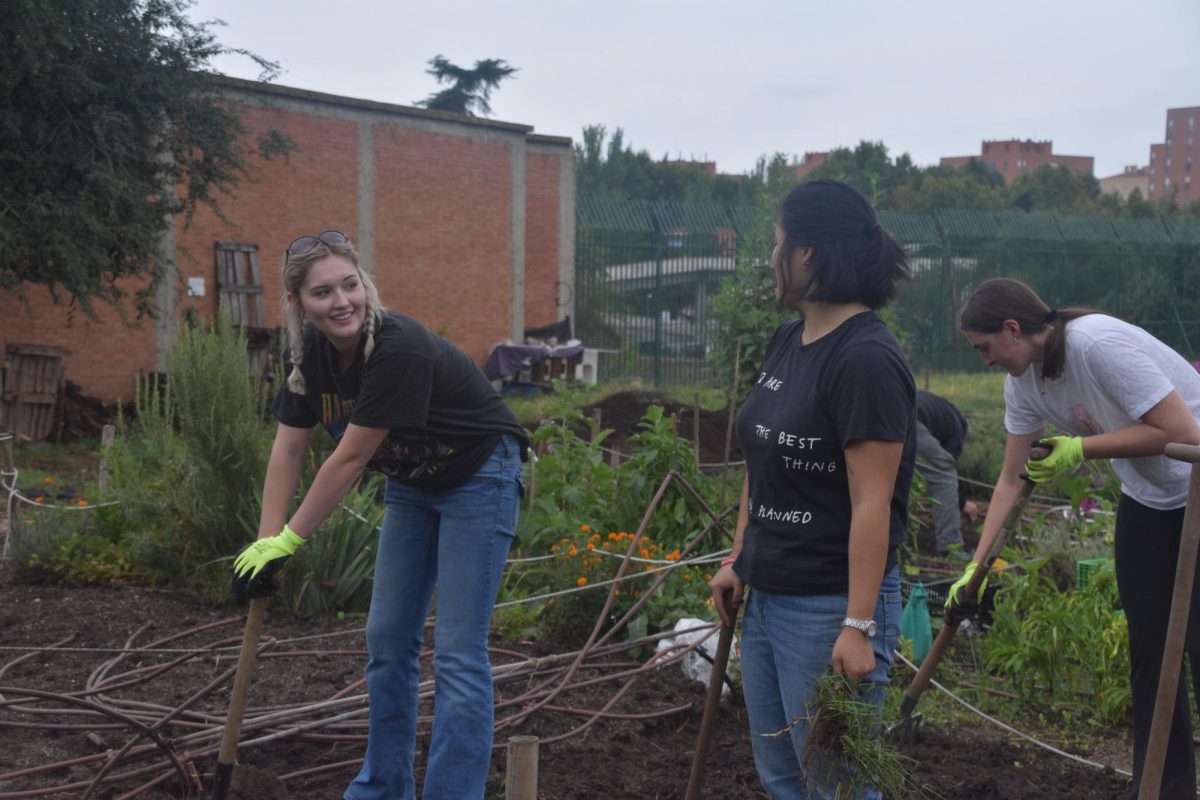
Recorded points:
(237,700)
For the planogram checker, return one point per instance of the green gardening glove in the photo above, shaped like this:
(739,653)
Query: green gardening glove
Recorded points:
(1066,453)
(958,605)
(255,567)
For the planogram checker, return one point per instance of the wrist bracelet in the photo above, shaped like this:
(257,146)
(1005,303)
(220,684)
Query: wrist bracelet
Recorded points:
(728,560)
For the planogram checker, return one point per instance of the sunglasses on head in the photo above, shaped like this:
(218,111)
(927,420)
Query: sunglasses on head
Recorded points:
(303,244)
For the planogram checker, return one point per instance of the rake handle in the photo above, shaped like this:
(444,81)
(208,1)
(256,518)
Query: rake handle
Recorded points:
(237,700)
(711,700)
(1173,645)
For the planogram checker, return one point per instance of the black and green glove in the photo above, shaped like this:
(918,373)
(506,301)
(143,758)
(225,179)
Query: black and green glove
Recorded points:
(255,568)
(958,605)
(1066,453)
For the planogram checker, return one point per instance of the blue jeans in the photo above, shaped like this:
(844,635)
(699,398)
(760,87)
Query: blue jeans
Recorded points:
(456,540)
(787,643)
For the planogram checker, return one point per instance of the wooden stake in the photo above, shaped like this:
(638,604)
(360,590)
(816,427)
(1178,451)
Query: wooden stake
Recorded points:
(107,434)
(521,775)
(737,376)
(8,473)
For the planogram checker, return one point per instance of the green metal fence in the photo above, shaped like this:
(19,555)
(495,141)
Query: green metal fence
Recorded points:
(646,274)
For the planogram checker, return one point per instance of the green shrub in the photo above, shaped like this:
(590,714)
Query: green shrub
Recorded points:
(187,469)
(582,502)
(1063,647)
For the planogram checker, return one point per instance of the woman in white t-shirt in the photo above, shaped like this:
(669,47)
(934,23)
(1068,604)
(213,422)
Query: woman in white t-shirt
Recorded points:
(1110,390)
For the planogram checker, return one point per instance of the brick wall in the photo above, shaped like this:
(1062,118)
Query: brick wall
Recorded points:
(456,217)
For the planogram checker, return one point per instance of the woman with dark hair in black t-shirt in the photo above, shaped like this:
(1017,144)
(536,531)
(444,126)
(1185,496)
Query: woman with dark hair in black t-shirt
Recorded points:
(401,400)
(828,438)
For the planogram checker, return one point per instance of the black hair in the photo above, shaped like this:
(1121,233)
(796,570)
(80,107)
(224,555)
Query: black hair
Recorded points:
(853,259)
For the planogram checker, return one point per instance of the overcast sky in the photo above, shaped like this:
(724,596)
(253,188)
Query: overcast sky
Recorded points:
(730,81)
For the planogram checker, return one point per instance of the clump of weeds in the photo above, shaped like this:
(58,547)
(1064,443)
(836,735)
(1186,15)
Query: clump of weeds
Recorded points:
(845,749)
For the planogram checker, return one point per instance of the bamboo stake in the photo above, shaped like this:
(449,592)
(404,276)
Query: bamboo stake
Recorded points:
(696,427)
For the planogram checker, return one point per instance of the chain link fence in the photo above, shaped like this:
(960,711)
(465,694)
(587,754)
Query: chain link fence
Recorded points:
(647,273)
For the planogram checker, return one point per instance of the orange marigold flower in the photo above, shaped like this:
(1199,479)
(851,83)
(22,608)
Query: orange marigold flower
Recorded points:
(617,592)
(38,499)
(47,480)
(554,548)
(591,546)
(595,537)
(83,502)
(584,528)
(613,536)
(707,577)
(582,581)
(572,551)
(645,553)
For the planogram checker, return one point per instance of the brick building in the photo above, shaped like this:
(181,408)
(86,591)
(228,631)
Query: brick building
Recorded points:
(1171,162)
(811,161)
(1013,157)
(467,224)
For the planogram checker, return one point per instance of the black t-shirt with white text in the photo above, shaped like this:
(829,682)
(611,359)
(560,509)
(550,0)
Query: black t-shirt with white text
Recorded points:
(444,417)
(810,402)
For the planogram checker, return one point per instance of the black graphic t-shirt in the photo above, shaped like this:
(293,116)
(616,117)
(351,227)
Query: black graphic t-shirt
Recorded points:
(444,417)
(810,401)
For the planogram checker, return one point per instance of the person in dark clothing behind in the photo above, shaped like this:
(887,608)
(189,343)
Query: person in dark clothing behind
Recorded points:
(941,434)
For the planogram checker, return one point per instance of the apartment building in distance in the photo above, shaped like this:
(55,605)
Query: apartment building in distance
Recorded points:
(1124,182)
(1013,157)
(1171,167)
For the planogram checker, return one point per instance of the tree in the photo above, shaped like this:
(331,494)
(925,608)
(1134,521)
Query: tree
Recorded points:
(110,124)
(868,168)
(470,90)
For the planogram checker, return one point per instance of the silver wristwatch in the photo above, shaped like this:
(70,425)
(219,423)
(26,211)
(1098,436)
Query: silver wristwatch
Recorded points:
(866,627)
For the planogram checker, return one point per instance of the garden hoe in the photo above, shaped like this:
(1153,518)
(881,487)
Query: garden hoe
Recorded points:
(905,731)
(237,701)
(1172,659)
(711,700)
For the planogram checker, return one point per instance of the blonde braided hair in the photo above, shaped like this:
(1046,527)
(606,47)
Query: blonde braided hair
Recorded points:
(294,271)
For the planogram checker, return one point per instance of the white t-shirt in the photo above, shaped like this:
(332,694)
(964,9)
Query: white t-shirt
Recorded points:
(1114,373)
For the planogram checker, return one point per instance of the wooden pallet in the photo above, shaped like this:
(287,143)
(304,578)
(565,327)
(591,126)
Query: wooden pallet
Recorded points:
(31,387)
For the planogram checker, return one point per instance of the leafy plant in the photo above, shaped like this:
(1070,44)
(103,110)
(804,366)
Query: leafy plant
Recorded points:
(185,471)
(1059,646)
(332,573)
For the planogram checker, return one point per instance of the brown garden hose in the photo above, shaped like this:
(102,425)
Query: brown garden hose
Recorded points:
(237,700)
(711,700)
(1172,659)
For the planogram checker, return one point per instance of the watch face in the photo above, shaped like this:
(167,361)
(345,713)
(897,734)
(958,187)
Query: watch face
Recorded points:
(871,627)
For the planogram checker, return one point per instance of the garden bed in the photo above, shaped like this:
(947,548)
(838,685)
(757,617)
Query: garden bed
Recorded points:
(615,758)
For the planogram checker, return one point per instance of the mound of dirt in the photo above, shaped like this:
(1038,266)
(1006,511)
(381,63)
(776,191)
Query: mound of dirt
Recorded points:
(623,411)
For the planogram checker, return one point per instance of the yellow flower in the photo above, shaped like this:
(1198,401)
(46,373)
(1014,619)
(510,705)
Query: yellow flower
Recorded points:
(582,581)
(617,592)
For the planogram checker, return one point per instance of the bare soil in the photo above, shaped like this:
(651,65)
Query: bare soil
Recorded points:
(615,758)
